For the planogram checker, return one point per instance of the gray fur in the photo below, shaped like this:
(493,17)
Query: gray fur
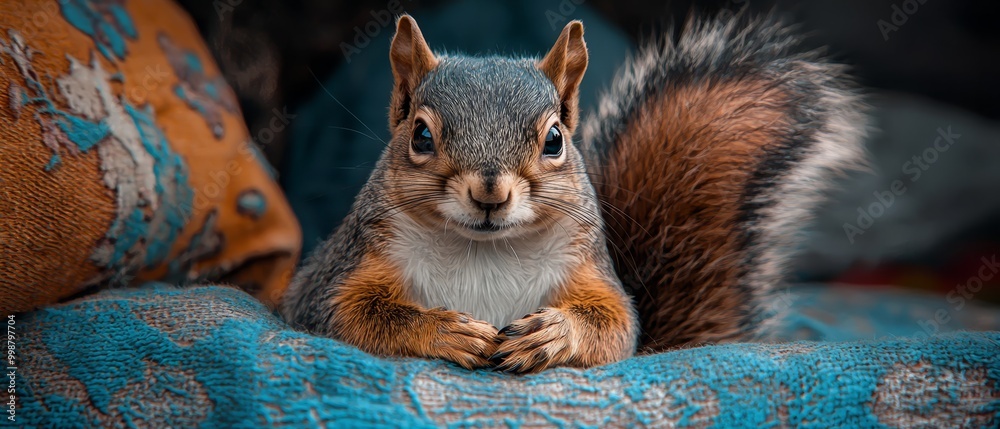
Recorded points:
(489,108)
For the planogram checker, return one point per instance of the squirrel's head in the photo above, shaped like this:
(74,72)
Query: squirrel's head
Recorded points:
(482,145)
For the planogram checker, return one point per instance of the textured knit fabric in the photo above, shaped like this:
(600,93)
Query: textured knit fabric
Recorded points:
(123,157)
(213,356)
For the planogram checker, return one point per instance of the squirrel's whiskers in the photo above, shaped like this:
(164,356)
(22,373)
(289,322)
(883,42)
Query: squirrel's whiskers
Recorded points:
(707,155)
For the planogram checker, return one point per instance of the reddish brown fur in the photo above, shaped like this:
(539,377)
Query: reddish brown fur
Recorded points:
(565,65)
(411,59)
(374,314)
(590,319)
(689,191)
(588,323)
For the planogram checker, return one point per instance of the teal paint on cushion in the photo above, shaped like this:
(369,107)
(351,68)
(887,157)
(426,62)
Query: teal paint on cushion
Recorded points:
(129,231)
(207,95)
(53,162)
(192,100)
(193,63)
(215,357)
(182,93)
(205,242)
(262,160)
(212,90)
(80,15)
(251,203)
(114,41)
(123,19)
(108,32)
(176,196)
(84,133)
(147,221)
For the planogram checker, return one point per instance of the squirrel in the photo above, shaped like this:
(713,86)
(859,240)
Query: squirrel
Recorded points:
(668,224)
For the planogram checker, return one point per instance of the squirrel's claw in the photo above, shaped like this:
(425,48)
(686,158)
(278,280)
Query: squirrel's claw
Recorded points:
(462,339)
(531,344)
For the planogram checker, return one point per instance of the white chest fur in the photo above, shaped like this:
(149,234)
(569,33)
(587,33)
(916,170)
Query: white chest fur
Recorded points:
(497,282)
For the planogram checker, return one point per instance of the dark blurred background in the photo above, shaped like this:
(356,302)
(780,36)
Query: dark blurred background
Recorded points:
(930,66)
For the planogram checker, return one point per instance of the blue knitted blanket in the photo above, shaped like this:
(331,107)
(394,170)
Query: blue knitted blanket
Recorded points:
(214,357)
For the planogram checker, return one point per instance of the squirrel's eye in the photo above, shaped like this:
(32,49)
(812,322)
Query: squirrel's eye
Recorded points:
(553,143)
(422,142)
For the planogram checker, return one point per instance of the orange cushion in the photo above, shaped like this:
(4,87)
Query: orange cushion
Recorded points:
(124,158)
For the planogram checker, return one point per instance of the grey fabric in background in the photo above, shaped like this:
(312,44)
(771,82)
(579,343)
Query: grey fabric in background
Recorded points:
(937,206)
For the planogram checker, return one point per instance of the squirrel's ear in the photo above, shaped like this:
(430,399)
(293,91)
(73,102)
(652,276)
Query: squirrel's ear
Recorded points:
(411,59)
(564,65)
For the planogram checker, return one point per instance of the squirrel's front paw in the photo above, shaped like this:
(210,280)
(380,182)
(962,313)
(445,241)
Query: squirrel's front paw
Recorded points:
(537,341)
(460,338)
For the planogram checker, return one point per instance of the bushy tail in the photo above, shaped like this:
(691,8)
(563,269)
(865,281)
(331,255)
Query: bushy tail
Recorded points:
(709,153)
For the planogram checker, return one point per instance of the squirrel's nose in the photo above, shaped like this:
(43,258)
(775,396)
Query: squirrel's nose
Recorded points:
(491,202)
